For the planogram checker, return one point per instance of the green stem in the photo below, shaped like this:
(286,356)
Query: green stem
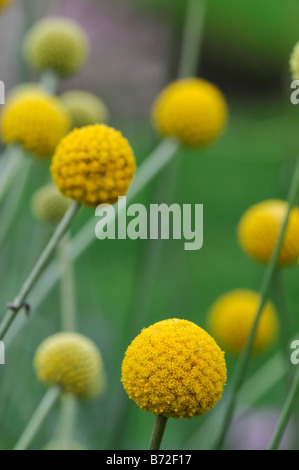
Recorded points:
(67,290)
(68,413)
(38,269)
(158,432)
(191,44)
(38,418)
(286,413)
(13,159)
(156,161)
(49,82)
(242,365)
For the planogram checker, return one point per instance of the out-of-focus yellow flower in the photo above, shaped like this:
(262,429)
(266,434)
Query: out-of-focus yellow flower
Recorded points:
(174,369)
(192,110)
(36,121)
(4,3)
(49,205)
(231,318)
(294,62)
(58,44)
(259,230)
(21,90)
(84,108)
(72,361)
(93,165)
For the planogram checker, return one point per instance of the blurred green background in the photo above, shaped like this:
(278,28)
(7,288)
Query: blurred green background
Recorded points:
(124,286)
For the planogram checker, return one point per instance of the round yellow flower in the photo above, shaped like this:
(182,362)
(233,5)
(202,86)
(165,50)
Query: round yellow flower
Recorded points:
(36,121)
(259,230)
(4,3)
(231,318)
(174,369)
(71,361)
(294,62)
(84,108)
(93,165)
(57,44)
(192,110)
(49,205)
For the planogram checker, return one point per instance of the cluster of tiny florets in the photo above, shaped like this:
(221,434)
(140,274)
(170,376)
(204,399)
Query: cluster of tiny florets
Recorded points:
(49,205)
(84,108)
(192,110)
(259,230)
(231,318)
(36,121)
(174,369)
(56,44)
(93,165)
(72,361)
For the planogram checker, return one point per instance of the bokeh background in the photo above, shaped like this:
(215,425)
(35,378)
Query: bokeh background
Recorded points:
(123,286)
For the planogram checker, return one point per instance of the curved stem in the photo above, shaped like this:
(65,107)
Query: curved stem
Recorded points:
(158,432)
(38,269)
(286,413)
(38,418)
(242,365)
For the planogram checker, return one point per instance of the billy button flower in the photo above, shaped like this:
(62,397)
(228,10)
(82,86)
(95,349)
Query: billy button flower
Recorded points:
(231,317)
(35,121)
(259,229)
(192,110)
(49,205)
(71,361)
(84,108)
(57,44)
(173,369)
(93,165)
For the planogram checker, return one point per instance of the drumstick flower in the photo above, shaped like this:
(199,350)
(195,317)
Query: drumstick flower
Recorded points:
(36,121)
(49,205)
(93,165)
(174,369)
(259,229)
(57,44)
(84,108)
(231,317)
(193,110)
(71,361)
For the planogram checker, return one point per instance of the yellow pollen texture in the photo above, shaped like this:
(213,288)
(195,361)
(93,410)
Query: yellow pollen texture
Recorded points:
(175,369)
(94,165)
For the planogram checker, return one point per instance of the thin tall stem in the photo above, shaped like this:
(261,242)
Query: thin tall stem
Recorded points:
(192,35)
(286,413)
(67,288)
(158,432)
(49,82)
(38,269)
(38,418)
(242,365)
(68,412)
(13,159)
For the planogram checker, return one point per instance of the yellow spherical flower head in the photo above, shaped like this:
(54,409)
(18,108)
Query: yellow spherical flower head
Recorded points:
(57,44)
(49,205)
(93,165)
(231,318)
(259,230)
(4,3)
(174,369)
(84,108)
(36,121)
(192,110)
(294,62)
(71,361)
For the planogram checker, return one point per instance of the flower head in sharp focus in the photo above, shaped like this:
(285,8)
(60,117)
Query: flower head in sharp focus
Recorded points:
(72,361)
(174,369)
(84,108)
(57,44)
(49,205)
(294,62)
(259,230)
(34,120)
(192,110)
(231,318)
(93,165)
